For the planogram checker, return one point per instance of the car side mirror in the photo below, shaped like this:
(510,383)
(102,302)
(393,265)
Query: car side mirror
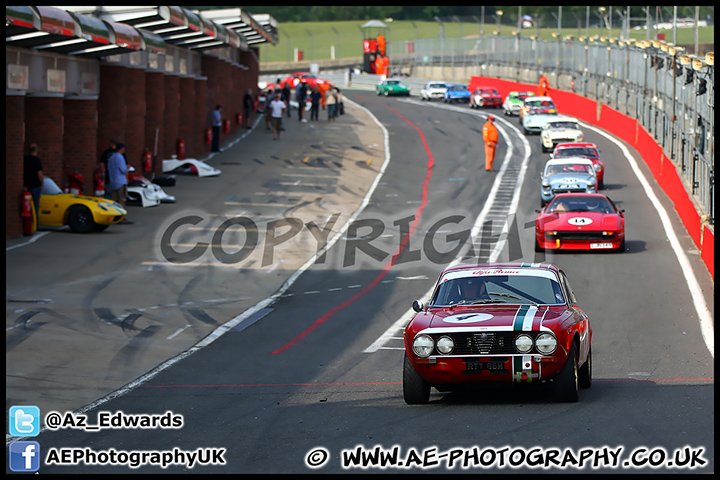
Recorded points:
(418,306)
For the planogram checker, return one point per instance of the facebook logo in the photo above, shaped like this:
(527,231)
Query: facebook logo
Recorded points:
(24,456)
(24,421)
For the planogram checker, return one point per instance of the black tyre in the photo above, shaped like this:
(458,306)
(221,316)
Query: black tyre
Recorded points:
(80,219)
(538,248)
(565,383)
(621,248)
(416,390)
(585,372)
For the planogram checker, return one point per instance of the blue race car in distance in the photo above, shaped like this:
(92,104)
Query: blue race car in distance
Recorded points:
(456,92)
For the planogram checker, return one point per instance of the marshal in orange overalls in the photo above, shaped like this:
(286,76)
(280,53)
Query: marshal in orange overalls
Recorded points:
(490,136)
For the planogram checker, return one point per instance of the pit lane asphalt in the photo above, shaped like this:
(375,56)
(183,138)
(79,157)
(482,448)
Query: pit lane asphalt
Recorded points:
(87,314)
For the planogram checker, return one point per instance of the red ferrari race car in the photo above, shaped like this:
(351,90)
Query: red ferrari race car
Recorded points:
(514,322)
(580,221)
(589,150)
(306,77)
(485,97)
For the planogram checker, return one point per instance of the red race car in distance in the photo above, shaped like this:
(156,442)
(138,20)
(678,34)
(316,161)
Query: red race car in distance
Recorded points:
(305,77)
(580,221)
(506,323)
(589,150)
(485,97)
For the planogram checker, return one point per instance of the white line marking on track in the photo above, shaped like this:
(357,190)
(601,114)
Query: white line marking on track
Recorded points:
(706,320)
(221,330)
(400,323)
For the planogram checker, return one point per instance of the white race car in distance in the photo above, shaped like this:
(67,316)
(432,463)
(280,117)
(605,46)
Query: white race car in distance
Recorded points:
(433,91)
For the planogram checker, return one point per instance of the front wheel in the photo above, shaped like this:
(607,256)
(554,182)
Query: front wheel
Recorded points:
(565,383)
(538,248)
(80,219)
(585,373)
(416,390)
(621,248)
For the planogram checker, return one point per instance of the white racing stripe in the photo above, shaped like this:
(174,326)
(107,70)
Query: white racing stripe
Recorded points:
(706,320)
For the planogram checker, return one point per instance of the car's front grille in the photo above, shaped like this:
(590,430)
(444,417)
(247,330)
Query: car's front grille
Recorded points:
(485,343)
(568,190)
(581,235)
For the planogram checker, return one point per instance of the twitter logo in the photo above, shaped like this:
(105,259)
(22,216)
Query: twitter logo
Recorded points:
(24,421)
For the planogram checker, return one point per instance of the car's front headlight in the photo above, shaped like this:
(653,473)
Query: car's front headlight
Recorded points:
(523,343)
(545,184)
(546,343)
(423,345)
(597,167)
(445,345)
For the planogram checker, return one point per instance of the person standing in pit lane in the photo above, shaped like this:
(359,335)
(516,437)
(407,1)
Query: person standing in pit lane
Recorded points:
(490,136)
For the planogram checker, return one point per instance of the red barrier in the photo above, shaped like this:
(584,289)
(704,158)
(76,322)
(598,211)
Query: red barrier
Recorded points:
(628,129)
(707,249)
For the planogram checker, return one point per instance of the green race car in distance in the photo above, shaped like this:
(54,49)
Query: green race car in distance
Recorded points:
(514,102)
(392,87)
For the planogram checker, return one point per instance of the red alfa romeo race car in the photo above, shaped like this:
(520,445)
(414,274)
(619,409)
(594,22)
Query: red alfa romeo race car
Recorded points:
(514,322)
(580,221)
(589,150)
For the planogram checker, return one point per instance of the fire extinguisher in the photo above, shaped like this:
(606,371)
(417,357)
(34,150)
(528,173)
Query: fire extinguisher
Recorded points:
(226,126)
(27,212)
(208,136)
(147,160)
(74,183)
(100,180)
(238,119)
(181,148)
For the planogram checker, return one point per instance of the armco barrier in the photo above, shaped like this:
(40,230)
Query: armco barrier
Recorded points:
(629,130)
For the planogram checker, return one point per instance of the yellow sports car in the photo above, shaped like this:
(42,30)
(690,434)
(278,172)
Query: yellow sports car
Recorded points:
(82,213)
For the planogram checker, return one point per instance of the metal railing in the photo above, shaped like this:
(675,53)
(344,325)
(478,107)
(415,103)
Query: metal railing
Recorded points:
(648,84)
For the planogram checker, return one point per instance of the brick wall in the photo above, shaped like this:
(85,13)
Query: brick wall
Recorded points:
(135,117)
(44,120)
(133,105)
(80,141)
(187,129)
(14,153)
(112,107)
(200,147)
(154,116)
(171,118)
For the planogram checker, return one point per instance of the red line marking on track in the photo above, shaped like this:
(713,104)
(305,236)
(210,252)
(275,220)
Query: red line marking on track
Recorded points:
(429,166)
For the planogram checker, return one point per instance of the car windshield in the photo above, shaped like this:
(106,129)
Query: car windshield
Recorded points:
(580,204)
(458,87)
(539,103)
(308,76)
(50,187)
(562,125)
(392,82)
(576,152)
(523,96)
(568,168)
(498,289)
(436,85)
